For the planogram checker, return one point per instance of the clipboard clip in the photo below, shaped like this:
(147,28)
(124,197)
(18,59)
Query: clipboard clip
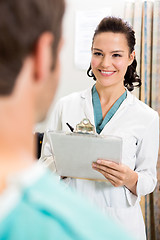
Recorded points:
(85,126)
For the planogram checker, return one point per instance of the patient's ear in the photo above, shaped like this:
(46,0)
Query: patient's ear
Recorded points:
(43,56)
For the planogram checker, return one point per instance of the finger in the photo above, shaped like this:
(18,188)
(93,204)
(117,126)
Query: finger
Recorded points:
(117,177)
(106,175)
(110,164)
(110,171)
(114,181)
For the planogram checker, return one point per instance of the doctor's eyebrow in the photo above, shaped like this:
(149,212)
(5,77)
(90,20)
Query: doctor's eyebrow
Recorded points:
(97,49)
(115,51)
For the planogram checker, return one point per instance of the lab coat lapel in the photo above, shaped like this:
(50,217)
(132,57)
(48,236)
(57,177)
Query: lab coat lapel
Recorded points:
(86,98)
(129,100)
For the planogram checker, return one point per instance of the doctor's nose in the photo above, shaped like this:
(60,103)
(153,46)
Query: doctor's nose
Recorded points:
(106,62)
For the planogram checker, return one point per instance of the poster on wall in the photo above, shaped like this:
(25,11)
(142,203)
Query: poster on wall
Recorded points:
(85,25)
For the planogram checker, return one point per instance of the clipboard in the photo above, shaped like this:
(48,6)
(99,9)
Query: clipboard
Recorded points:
(74,153)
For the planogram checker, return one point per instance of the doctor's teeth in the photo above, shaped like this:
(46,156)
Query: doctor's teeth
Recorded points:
(106,72)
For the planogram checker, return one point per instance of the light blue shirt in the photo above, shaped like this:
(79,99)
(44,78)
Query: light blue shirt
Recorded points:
(98,117)
(46,210)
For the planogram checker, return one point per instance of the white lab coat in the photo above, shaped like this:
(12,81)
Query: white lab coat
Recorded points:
(138,125)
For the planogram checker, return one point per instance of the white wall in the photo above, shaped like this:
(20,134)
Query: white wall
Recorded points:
(73,79)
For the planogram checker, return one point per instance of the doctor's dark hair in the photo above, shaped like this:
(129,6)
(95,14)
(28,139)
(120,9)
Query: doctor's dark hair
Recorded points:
(117,25)
(22,22)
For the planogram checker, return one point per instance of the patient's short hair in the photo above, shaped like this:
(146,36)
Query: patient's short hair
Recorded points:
(21,24)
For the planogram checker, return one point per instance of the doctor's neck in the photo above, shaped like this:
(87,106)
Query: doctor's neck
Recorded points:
(109,93)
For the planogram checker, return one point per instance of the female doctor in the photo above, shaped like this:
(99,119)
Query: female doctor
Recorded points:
(113,110)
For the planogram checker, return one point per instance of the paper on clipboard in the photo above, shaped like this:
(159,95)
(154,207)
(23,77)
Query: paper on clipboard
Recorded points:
(75,153)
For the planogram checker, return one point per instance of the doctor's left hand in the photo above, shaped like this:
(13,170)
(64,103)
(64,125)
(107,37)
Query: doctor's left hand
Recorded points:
(117,174)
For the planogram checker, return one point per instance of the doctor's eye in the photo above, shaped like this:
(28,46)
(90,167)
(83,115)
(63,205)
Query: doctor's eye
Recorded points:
(97,54)
(116,55)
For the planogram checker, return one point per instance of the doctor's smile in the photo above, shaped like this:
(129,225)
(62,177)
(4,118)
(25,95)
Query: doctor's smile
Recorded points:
(106,73)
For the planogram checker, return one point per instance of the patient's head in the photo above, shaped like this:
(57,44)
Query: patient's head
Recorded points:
(21,24)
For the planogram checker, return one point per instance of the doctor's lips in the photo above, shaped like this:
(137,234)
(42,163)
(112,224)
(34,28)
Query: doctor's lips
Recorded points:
(106,73)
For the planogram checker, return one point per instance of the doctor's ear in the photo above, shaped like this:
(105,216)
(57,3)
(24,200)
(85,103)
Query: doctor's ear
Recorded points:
(43,57)
(131,58)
